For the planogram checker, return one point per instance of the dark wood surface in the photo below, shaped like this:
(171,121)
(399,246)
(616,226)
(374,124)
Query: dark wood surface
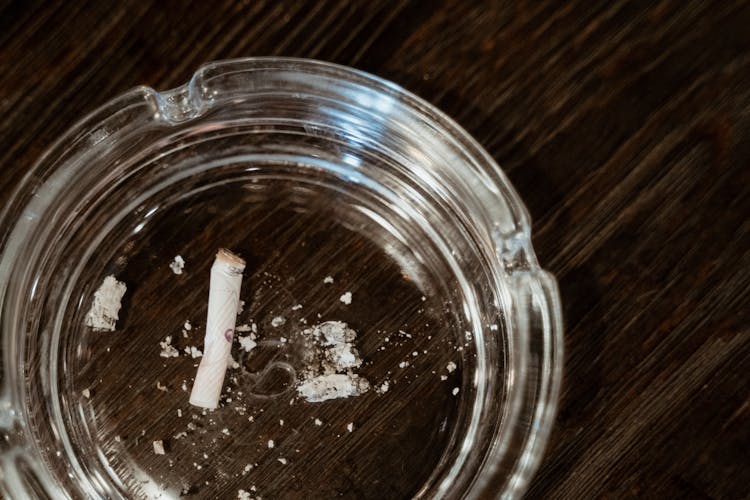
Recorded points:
(625,126)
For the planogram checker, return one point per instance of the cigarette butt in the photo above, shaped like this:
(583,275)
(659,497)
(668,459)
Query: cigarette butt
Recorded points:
(223,299)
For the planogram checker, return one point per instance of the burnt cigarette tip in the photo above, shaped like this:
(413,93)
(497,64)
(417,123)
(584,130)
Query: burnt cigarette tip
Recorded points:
(225,256)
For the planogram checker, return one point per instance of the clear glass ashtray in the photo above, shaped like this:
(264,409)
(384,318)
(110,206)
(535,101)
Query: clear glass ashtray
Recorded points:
(351,200)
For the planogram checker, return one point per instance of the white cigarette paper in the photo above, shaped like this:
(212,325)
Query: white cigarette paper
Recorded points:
(223,299)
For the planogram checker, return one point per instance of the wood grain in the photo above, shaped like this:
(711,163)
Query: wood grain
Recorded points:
(624,125)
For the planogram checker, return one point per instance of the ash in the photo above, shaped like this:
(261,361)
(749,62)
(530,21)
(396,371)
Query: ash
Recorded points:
(331,363)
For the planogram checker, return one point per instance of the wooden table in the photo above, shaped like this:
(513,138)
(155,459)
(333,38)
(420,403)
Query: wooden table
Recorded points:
(624,125)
